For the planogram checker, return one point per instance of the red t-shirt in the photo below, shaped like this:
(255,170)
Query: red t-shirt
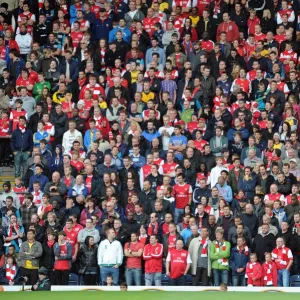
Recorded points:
(182,193)
(72,238)
(134,262)
(178,260)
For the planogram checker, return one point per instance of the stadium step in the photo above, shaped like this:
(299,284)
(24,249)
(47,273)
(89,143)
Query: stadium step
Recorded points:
(6,174)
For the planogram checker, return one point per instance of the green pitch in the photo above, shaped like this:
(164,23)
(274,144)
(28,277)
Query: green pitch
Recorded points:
(147,295)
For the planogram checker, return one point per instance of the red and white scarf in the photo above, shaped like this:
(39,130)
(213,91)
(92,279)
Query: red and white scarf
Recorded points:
(268,279)
(10,272)
(37,199)
(222,261)
(151,230)
(11,228)
(204,246)
(22,128)
(243,248)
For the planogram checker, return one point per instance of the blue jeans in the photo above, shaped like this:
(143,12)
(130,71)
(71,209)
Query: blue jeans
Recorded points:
(20,160)
(105,271)
(178,212)
(283,278)
(238,280)
(133,275)
(150,277)
(178,281)
(220,276)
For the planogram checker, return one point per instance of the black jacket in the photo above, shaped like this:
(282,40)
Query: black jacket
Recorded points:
(59,121)
(48,258)
(261,245)
(200,28)
(34,119)
(251,221)
(87,257)
(131,227)
(41,32)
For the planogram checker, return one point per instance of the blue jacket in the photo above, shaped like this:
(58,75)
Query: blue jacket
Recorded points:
(126,34)
(247,186)
(160,51)
(74,191)
(225,191)
(101,29)
(238,260)
(21,141)
(122,9)
(73,13)
(42,179)
(243,131)
(138,162)
(186,233)
(87,138)
(74,68)
(16,67)
(280,215)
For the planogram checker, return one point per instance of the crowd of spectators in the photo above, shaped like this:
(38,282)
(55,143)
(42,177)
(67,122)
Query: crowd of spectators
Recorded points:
(151,141)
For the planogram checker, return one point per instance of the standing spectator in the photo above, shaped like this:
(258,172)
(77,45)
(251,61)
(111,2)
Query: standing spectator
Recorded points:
(238,261)
(21,144)
(110,257)
(283,258)
(269,271)
(254,271)
(63,257)
(178,263)
(133,250)
(27,210)
(153,253)
(219,255)
(87,257)
(29,256)
(199,250)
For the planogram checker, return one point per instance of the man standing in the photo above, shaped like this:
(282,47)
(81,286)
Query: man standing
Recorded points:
(29,255)
(133,251)
(110,257)
(70,136)
(178,263)
(283,258)
(199,250)
(21,144)
(219,255)
(153,254)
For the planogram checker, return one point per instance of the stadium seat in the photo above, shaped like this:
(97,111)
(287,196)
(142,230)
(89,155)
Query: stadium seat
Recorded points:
(165,279)
(295,281)
(73,279)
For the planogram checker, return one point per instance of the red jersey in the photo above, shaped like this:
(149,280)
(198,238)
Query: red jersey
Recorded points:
(282,257)
(88,103)
(88,183)
(178,261)
(4,126)
(102,124)
(76,37)
(249,49)
(178,23)
(24,82)
(288,55)
(254,271)
(28,16)
(146,170)
(207,45)
(14,117)
(96,90)
(251,24)
(200,144)
(3,52)
(243,83)
(77,164)
(20,191)
(149,24)
(153,257)
(62,264)
(96,10)
(191,126)
(171,242)
(279,38)
(202,5)
(65,23)
(182,195)
(183,4)
(169,169)
(259,37)
(72,238)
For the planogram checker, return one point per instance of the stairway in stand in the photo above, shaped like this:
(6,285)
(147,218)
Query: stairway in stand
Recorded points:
(6,174)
